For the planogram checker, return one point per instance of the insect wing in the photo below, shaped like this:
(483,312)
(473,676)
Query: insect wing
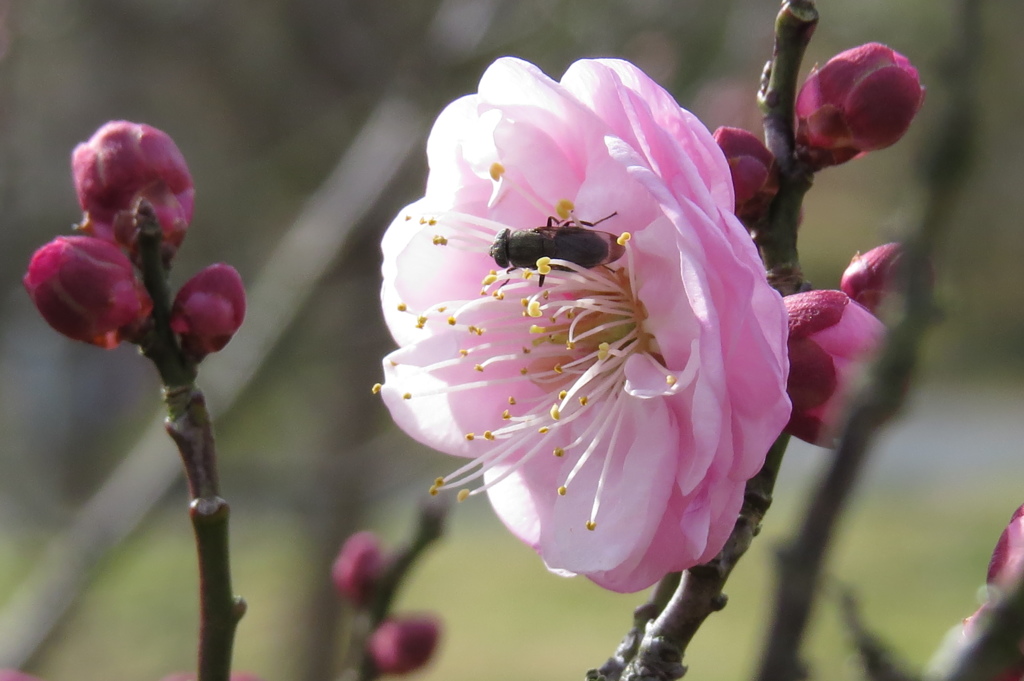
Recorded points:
(586,247)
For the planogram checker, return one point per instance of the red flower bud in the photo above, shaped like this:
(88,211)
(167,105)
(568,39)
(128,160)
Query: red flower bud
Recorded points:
(15,675)
(828,336)
(358,568)
(209,309)
(755,174)
(403,645)
(87,290)
(872,276)
(861,100)
(123,163)
(1007,563)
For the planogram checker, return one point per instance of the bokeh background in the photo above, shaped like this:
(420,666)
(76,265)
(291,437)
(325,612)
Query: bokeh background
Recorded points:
(265,98)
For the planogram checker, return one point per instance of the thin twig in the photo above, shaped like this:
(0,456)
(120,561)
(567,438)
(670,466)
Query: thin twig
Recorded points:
(879,662)
(801,561)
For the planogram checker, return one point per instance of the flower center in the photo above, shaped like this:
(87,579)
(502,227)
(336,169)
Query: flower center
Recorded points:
(558,351)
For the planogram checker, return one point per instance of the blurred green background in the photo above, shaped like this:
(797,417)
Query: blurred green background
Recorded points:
(264,97)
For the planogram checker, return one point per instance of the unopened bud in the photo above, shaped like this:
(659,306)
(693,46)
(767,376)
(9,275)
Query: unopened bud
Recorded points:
(403,645)
(208,310)
(1007,564)
(829,337)
(15,675)
(755,174)
(122,164)
(358,567)
(863,99)
(87,290)
(873,275)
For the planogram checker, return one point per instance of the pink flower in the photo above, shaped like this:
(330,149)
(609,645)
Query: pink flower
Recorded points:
(613,413)
(122,163)
(87,290)
(829,337)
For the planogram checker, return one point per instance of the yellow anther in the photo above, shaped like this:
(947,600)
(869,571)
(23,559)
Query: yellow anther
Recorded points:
(440,240)
(623,238)
(407,396)
(506,415)
(526,351)
(569,345)
(462,495)
(570,314)
(442,308)
(527,274)
(463,352)
(583,401)
(408,217)
(497,170)
(524,371)
(433,491)
(557,368)
(543,261)
(421,320)
(451,320)
(564,208)
(543,429)
(488,435)
(545,294)
(423,221)
(603,350)
(376,388)
(432,221)
(479,367)
(494,272)
(393,362)
(402,307)
(670,379)
(470,436)
(537,329)
(500,295)
(490,279)
(533,309)
(559,452)
(524,301)
(511,400)
(562,490)
(438,482)
(555,414)
(562,394)
(544,269)
(591,525)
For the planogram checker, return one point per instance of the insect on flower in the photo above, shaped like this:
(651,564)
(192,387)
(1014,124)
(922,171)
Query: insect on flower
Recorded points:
(567,239)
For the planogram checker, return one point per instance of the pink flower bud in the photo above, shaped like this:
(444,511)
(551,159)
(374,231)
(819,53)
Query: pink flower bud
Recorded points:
(871,276)
(861,100)
(828,336)
(403,645)
(358,567)
(123,163)
(1007,563)
(15,675)
(755,174)
(209,309)
(87,290)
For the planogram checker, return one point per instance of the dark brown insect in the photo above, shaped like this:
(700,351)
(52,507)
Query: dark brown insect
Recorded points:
(568,239)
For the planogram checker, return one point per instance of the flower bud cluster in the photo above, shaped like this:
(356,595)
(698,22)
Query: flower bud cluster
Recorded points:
(88,287)
(398,645)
